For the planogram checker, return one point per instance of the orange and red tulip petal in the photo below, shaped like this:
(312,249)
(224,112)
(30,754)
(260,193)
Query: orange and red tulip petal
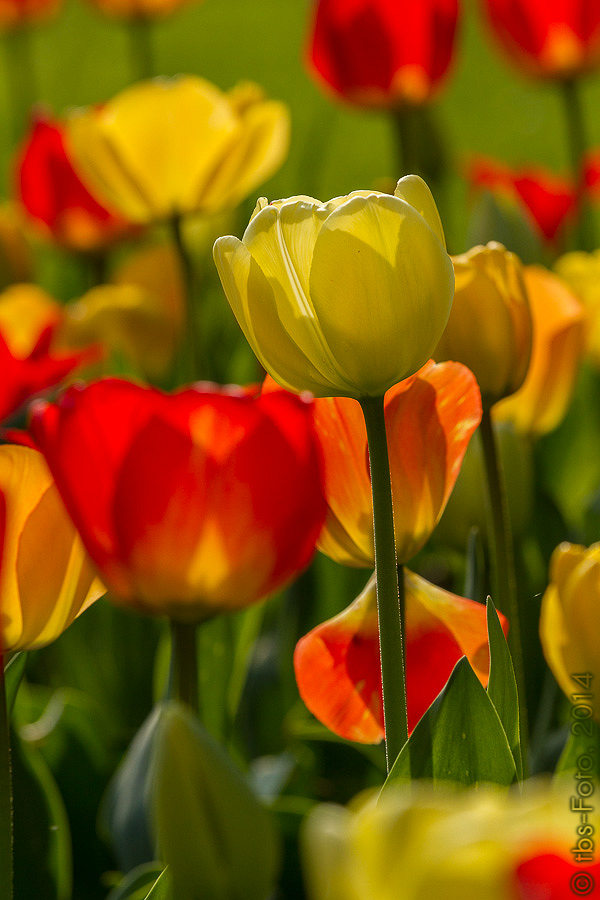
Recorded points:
(337,664)
(551,877)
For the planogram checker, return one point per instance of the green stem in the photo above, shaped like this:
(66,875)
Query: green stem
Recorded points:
(184,664)
(389,606)
(20,78)
(6,800)
(142,52)
(503,565)
(576,136)
(193,355)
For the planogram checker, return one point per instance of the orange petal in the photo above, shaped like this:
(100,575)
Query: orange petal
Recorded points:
(337,663)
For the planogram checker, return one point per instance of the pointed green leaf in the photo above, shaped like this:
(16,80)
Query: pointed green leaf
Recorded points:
(459,739)
(211,830)
(147,882)
(502,685)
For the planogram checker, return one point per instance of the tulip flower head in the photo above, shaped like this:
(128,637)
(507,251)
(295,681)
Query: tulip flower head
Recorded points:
(558,340)
(430,419)
(54,196)
(20,13)
(490,327)
(383,52)
(581,271)
(425,842)
(41,592)
(338,668)
(569,618)
(548,38)
(344,298)
(190,504)
(168,147)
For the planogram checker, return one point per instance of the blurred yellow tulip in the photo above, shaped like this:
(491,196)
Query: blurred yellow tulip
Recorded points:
(344,298)
(168,147)
(582,272)
(46,577)
(569,618)
(490,328)
(139,317)
(25,312)
(558,338)
(16,260)
(423,843)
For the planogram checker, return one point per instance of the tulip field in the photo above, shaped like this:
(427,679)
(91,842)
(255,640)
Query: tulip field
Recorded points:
(299,470)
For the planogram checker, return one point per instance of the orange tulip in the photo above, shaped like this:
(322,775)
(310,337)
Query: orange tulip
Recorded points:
(46,577)
(338,669)
(430,418)
(558,342)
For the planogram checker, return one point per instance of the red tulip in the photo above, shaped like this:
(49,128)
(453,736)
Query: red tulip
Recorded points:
(383,52)
(551,877)
(16,13)
(548,200)
(54,195)
(25,376)
(191,503)
(338,668)
(548,38)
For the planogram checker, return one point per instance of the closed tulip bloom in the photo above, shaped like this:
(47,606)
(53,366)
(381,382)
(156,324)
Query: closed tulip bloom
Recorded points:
(344,298)
(189,504)
(46,577)
(581,271)
(490,327)
(337,665)
(558,341)
(548,38)
(421,841)
(569,618)
(168,147)
(383,52)
(54,196)
(430,418)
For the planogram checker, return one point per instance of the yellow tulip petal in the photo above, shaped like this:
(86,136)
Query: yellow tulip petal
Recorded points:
(378,281)
(25,312)
(414,190)
(251,298)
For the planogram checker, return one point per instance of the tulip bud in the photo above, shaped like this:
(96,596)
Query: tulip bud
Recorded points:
(490,327)
(569,618)
(344,298)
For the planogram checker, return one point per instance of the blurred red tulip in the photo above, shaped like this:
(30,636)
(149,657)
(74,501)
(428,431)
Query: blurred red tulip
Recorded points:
(25,376)
(192,503)
(548,200)
(551,877)
(54,195)
(548,38)
(14,13)
(383,52)
(430,418)
(338,669)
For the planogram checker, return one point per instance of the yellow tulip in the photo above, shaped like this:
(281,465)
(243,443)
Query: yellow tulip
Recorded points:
(139,317)
(569,619)
(169,147)
(25,312)
(582,272)
(46,577)
(423,843)
(344,298)
(558,337)
(490,328)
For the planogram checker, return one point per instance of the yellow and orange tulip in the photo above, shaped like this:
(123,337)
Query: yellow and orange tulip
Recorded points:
(582,272)
(558,340)
(46,577)
(169,147)
(490,328)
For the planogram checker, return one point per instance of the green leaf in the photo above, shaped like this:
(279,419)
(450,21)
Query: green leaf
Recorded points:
(502,685)
(42,839)
(147,882)
(459,739)
(13,675)
(213,833)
